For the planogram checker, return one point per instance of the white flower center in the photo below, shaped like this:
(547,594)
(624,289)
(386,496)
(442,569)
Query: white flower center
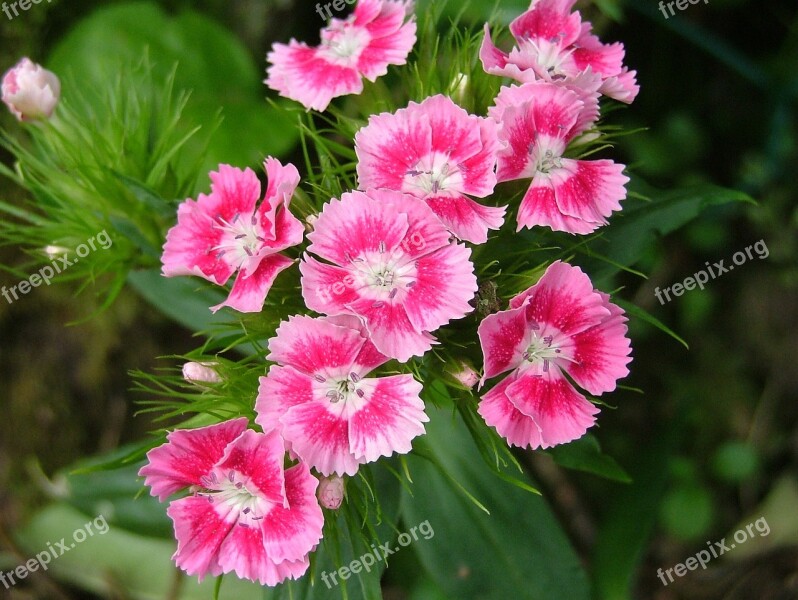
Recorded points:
(382,275)
(342,44)
(241,240)
(245,507)
(432,174)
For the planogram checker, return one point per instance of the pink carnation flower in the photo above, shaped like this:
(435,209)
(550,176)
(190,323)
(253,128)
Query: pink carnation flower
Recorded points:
(538,121)
(438,153)
(554,45)
(559,326)
(373,37)
(390,262)
(228,232)
(246,515)
(321,400)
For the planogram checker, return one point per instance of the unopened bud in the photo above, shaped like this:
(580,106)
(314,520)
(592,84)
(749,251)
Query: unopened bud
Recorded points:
(331,492)
(201,372)
(466,375)
(30,91)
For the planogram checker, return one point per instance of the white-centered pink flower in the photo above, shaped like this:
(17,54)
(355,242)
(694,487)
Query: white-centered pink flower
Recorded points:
(246,514)
(375,36)
(560,326)
(553,44)
(437,152)
(321,400)
(390,262)
(537,122)
(228,232)
(30,91)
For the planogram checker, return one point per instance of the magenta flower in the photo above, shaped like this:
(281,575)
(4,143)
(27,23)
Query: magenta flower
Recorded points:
(228,232)
(390,262)
(246,514)
(322,402)
(373,37)
(553,44)
(30,91)
(560,326)
(437,152)
(537,122)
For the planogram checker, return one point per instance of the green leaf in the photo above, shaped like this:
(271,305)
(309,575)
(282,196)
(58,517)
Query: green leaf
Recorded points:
(212,63)
(647,317)
(518,551)
(585,454)
(633,231)
(179,298)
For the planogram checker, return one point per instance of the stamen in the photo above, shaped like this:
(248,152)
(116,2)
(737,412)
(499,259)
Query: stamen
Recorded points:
(393,293)
(378,304)
(382,248)
(360,393)
(354,377)
(319,378)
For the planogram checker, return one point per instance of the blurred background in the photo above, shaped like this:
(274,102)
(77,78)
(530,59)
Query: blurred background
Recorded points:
(711,442)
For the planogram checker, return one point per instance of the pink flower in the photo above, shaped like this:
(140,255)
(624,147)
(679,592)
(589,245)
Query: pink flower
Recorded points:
(559,326)
(226,232)
(437,152)
(392,265)
(538,121)
(331,492)
(30,91)
(363,45)
(246,515)
(554,45)
(321,401)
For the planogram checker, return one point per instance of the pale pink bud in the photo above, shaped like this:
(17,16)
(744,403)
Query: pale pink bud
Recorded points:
(466,375)
(200,372)
(30,91)
(331,492)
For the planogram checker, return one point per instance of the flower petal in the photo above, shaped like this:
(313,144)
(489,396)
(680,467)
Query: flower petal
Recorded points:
(391,417)
(281,389)
(465,218)
(589,190)
(510,423)
(502,336)
(259,458)
(249,292)
(200,529)
(187,456)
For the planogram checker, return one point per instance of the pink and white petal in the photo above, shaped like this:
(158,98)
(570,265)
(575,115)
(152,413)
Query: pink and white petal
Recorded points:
(586,86)
(369,358)
(389,146)
(491,57)
(606,59)
(425,231)
(552,109)
(622,87)
(327,289)
(314,345)
(298,72)
(356,224)
(539,208)
(249,292)
(289,231)
(188,456)
(601,353)
(233,192)
(502,337)
(510,423)
(548,20)
(282,182)
(468,220)
(291,532)
(390,329)
(200,528)
(479,171)
(281,389)
(390,49)
(242,553)
(445,284)
(258,457)
(563,298)
(454,131)
(561,412)
(589,190)
(320,437)
(391,417)
(189,245)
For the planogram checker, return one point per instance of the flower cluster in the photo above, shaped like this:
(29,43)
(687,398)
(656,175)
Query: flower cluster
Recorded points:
(388,265)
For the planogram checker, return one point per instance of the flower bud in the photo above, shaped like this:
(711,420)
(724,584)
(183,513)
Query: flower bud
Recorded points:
(200,372)
(331,492)
(466,375)
(30,91)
